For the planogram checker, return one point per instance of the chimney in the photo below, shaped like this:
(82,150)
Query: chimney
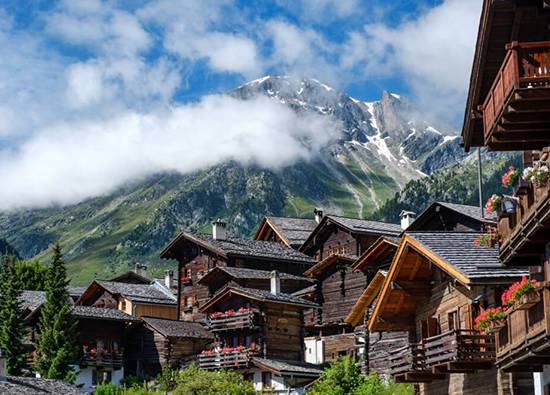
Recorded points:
(318,214)
(218,230)
(3,373)
(140,269)
(407,218)
(168,278)
(275,282)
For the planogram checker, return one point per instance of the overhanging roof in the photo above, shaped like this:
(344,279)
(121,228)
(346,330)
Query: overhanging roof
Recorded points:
(355,316)
(380,251)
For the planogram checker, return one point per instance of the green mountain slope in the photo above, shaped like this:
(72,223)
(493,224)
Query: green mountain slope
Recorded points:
(457,184)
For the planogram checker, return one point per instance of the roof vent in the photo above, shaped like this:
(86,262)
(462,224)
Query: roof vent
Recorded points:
(275,282)
(407,218)
(218,230)
(318,214)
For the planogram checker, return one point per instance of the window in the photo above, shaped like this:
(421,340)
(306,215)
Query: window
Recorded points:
(266,379)
(101,376)
(453,320)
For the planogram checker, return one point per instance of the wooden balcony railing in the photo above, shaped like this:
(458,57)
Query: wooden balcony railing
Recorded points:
(245,320)
(522,232)
(408,359)
(524,338)
(227,360)
(459,350)
(526,65)
(102,359)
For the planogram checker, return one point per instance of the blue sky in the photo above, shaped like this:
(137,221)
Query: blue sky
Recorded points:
(70,71)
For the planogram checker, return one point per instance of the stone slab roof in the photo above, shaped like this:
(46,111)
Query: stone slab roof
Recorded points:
(470,211)
(458,249)
(366,226)
(76,292)
(32,299)
(34,386)
(173,328)
(101,313)
(144,293)
(256,249)
(253,274)
(285,367)
(295,230)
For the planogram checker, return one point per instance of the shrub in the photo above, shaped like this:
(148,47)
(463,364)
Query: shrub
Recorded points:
(196,381)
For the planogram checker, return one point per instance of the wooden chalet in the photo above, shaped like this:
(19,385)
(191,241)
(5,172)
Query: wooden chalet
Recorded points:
(197,254)
(260,333)
(101,342)
(336,243)
(437,284)
(443,216)
(137,300)
(291,232)
(508,108)
(159,342)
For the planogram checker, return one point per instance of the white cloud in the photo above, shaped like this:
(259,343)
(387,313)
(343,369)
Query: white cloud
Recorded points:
(323,10)
(434,53)
(70,161)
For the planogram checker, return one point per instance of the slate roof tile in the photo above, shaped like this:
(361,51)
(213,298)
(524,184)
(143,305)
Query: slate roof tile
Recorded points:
(34,386)
(367,226)
(285,367)
(296,230)
(101,313)
(144,293)
(173,328)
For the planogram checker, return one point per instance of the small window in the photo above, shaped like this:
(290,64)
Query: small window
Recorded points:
(266,379)
(101,376)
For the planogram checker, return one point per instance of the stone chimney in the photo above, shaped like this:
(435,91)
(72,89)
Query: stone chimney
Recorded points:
(3,372)
(218,230)
(275,282)
(318,214)
(407,218)
(168,278)
(140,269)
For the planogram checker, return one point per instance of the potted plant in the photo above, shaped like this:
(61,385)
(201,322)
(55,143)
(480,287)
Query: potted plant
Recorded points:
(538,175)
(522,294)
(493,204)
(512,179)
(491,320)
(489,239)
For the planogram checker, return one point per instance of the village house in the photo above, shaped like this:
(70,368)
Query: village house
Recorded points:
(135,299)
(508,109)
(336,243)
(158,342)
(291,232)
(197,254)
(437,285)
(260,333)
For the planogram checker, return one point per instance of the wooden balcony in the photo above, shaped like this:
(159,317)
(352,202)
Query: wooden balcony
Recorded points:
(237,321)
(227,360)
(516,112)
(459,351)
(102,359)
(408,365)
(523,344)
(525,232)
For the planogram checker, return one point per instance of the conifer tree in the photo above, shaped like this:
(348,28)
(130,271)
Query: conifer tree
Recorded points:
(12,331)
(56,348)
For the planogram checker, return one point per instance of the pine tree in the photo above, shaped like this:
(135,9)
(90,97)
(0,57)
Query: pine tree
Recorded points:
(12,331)
(56,348)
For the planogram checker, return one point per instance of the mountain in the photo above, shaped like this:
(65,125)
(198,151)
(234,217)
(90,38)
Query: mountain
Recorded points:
(7,249)
(382,146)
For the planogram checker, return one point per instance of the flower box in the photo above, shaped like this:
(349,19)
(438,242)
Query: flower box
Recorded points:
(528,300)
(496,325)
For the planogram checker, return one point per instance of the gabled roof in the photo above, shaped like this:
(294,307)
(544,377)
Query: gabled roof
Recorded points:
(355,316)
(131,277)
(293,231)
(257,295)
(174,328)
(321,266)
(100,313)
(35,386)
(139,293)
(243,248)
(287,368)
(357,226)
(458,250)
(379,252)
(411,271)
(32,300)
(248,274)
(472,212)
